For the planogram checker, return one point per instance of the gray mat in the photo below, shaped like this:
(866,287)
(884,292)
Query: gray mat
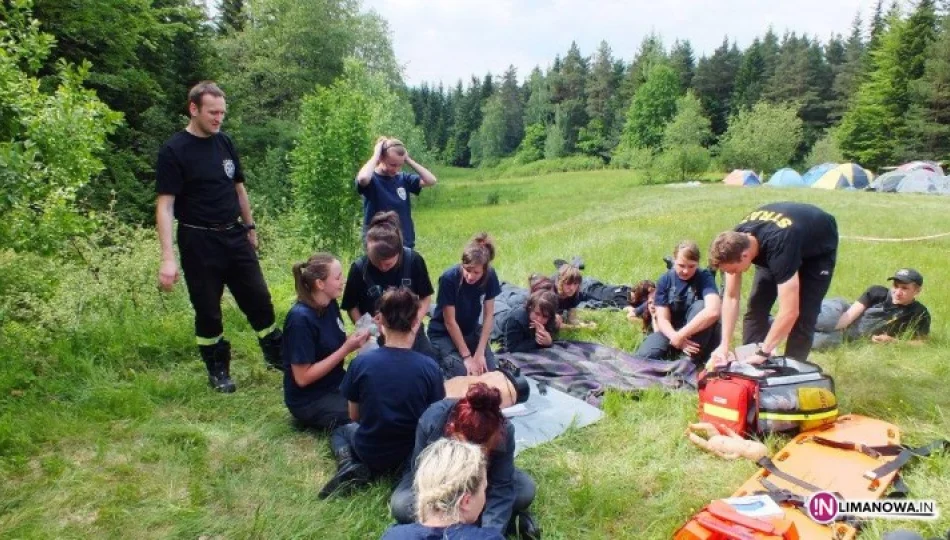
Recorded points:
(545,417)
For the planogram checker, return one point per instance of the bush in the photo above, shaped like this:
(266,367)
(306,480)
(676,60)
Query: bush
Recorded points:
(532,145)
(625,157)
(825,150)
(681,163)
(510,168)
(762,139)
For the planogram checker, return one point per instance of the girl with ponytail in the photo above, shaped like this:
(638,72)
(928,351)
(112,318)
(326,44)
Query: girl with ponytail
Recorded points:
(315,345)
(476,418)
(467,294)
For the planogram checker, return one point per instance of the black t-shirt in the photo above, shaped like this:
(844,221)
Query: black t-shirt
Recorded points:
(309,337)
(201,173)
(789,233)
(883,316)
(365,296)
(517,334)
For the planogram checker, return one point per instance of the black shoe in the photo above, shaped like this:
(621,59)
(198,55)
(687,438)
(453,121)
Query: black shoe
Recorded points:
(558,263)
(668,261)
(270,346)
(217,359)
(351,475)
(524,526)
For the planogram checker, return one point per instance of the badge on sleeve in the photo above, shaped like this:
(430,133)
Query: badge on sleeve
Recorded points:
(229,168)
(339,322)
(401,192)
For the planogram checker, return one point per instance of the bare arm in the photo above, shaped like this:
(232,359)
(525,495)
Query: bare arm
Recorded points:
(788,308)
(488,321)
(664,321)
(452,326)
(848,317)
(307,374)
(366,171)
(354,314)
(730,309)
(354,410)
(425,176)
(246,216)
(164,217)
(424,307)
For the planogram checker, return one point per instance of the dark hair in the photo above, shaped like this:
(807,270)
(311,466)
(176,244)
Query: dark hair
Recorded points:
(645,316)
(688,249)
(545,300)
(399,308)
(198,91)
(537,282)
(568,274)
(383,237)
(641,291)
(477,417)
(309,271)
(727,248)
(481,251)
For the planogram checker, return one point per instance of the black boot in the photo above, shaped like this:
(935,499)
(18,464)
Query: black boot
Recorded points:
(518,381)
(270,346)
(350,474)
(217,359)
(523,525)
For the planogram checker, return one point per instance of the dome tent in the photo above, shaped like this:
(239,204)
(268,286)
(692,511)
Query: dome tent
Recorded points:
(813,174)
(786,178)
(932,166)
(742,177)
(844,176)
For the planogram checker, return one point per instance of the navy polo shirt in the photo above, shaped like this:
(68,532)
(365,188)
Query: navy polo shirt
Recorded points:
(393,387)
(309,337)
(384,193)
(467,299)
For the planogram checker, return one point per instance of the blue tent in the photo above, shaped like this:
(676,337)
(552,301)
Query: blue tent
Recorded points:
(786,178)
(813,174)
(742,177)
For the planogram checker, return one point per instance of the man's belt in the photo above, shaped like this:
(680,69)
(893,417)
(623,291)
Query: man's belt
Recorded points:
(215,227)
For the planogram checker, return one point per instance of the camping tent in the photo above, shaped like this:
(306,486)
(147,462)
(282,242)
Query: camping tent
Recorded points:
(921,181)
(888,182)
(932,166)
(786,178)
(844,176)
(813,174)
(741,177)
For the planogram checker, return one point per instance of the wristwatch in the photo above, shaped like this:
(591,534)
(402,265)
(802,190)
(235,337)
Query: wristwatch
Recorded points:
(760,351)
(250,226)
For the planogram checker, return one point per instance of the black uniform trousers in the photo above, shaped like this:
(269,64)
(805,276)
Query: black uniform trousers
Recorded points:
(211,259)
(814,277)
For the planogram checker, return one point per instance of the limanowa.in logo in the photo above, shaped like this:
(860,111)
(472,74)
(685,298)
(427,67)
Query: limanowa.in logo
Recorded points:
(824,508)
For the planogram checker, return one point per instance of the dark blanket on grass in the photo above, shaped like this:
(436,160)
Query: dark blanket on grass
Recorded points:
(587,370)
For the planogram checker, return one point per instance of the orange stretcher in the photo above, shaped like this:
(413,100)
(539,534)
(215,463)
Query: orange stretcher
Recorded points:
(856,457)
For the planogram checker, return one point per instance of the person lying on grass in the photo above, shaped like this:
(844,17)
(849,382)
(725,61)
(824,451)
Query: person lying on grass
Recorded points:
(315,345)
(567,285)
(642,307)
(467,293)
(449,484)
(476,418)
(881,314)
(533,325)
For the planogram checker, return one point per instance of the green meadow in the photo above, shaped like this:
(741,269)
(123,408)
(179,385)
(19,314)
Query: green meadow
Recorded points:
(108,428)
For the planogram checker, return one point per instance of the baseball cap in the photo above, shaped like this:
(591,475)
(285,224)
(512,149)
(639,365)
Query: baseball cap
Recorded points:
(908,275)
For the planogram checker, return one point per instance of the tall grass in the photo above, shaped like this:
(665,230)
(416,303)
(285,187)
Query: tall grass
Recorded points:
(107,427)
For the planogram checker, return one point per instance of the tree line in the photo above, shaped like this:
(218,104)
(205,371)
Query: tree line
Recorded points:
(879,97)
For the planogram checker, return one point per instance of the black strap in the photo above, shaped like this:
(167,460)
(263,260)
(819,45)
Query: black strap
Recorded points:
(905,455)
(405,271)
(767,464)
(784,496)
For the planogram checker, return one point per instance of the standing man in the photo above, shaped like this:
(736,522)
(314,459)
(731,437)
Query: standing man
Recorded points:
(793,247)
(201,184)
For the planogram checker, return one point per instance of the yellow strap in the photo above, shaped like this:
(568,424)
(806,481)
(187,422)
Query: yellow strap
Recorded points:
(798,416)
(721,412)
(204,341)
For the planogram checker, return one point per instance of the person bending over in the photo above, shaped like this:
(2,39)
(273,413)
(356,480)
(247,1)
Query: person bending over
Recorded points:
(794,247)
(880,314)
(388,264)
(450,484)
(477,419)
(384,186)
(387,390)
(467,293)
(315,345)
(687,308)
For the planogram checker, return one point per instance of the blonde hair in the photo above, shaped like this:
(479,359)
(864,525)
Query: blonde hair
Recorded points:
(391,143)
(727,248)
(447,470)
(568,274)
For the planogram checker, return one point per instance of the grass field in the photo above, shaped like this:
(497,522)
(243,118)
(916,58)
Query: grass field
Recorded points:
(107,427)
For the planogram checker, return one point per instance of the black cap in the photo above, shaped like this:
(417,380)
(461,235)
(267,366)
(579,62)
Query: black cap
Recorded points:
(908,275)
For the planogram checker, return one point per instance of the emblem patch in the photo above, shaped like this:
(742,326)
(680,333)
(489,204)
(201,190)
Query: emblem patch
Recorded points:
(401,192)
(339,322)
(229,168)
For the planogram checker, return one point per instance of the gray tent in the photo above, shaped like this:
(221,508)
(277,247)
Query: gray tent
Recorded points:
(888,182)
(921,181)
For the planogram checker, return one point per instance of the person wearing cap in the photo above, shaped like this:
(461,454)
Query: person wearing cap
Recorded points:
(794,248)
(882,314)
(384,186)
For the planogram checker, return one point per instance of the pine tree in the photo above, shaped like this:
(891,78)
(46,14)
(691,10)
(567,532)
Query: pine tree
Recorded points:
(231,16)
(650,53)
(601,87)
(568,93)
(683,62)
(877,26)
(509,96)
(653,106)
(928,119)
(714,83)
(750,78)
(848,74)
(538,108)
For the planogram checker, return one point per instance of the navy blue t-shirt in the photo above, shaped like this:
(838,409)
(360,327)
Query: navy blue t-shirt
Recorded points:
(384,193)
(393,387)
(417,531)
(309,337)
(672,292)
(467,299)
